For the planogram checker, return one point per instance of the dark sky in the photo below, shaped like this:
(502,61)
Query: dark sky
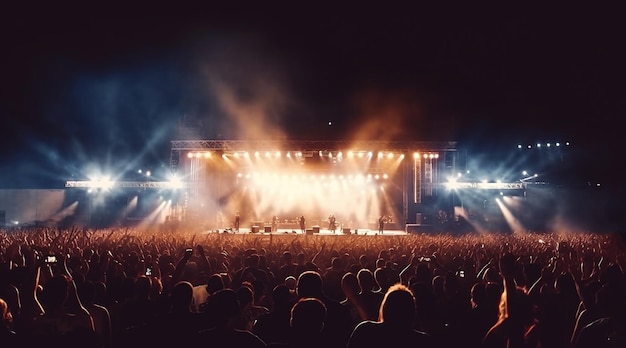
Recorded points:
(106,86)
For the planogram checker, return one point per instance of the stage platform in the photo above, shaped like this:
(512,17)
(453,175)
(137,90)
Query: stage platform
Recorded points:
(322,232)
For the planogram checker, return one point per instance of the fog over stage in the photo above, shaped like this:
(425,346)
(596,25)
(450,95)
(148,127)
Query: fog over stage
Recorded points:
(354,182)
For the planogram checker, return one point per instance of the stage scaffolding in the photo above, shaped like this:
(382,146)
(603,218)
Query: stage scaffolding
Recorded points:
(425,164)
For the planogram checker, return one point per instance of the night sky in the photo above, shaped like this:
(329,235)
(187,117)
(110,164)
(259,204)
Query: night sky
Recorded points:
(106,86)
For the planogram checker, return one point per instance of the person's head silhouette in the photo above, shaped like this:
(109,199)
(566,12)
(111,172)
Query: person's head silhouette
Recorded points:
(398,307)
(308,316)
(309,285)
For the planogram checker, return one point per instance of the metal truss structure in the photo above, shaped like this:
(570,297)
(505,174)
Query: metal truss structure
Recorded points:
(307,147)
(310,145)
(124,184)
(486,185)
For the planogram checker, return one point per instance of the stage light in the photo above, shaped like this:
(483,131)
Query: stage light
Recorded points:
(239,175)
(207,155)
(431,156)
(538,145)
(330,154)
(380,155)
(548,144)
(519,146)
(529,146)
(139,171)
(436,155)
(320,153)
(148,173)
(288,154)
(558,144)
(267,154)
(370,154)
(277,154)
(377,177)
(425,155)
(256,154)
(175,182)
(401,157)
(416,155)
(567,143)
(390,155)
(350,154)
(385,176)
(236,154)
(198,154)
(224,156)
(190,155)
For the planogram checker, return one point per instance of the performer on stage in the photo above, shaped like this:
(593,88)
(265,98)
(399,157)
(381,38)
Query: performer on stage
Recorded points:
(381,224)
(332,224)
(302,224)
(237,221)
(274,223)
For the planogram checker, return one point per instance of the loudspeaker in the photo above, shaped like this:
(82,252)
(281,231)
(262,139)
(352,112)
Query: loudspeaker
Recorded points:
(309,231)
(346,231)
(268,229)
(255,229)
(316,229)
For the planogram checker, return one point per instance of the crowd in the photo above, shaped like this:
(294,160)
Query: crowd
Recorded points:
(124,288)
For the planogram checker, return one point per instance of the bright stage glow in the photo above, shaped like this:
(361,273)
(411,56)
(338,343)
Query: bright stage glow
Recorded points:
(175,182)
(101,182)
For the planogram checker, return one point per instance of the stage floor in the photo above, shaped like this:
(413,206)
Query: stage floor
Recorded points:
(322,232)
